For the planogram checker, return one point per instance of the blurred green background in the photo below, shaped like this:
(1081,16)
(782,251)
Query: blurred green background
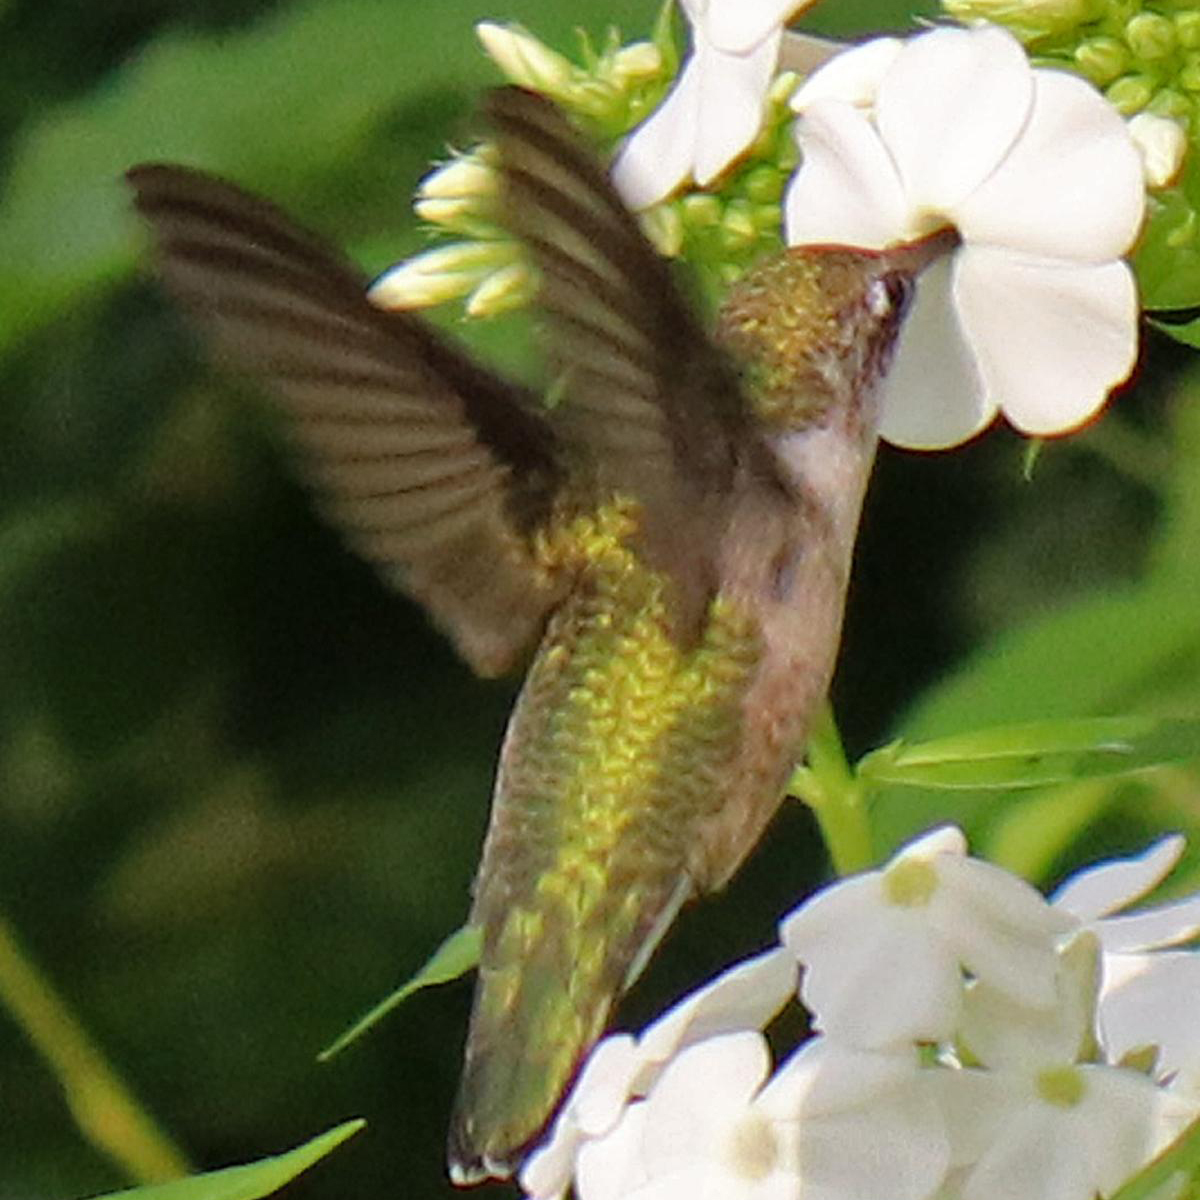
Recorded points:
(242,787)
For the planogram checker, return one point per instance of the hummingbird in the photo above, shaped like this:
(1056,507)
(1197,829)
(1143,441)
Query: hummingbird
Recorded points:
(667,546)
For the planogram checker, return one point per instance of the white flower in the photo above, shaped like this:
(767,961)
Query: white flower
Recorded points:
(715,109)
(1148,996)
(1040,1122)
(745,997)
(714,1126)
(1035,314)
(884,952)
(869,1123)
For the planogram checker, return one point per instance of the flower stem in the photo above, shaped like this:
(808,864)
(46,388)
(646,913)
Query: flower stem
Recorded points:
(836,796)
(103,1107)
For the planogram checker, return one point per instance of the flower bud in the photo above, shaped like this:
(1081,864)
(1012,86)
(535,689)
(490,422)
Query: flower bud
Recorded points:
(1171,104)
(509,288)
(663,225)
(1102,59)
(1151,36)
(463,176)
(637,62)
(1030,20)
(1189,72)
(1162,145)
(524,59)
(1187,28)
(1130,93)
(438,275)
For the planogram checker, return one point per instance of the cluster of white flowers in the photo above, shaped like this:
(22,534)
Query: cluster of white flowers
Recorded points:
(1035,314)
(970,1040)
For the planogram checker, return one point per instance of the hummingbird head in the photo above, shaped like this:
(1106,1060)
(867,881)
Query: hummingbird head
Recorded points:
(813,329)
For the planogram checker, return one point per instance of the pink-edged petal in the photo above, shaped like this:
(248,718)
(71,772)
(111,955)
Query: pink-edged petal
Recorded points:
(1051,338)
(733,91)
(950,108)
(737,26)
(657,157)
(852,77)
(1110,886)
(1071,187)
(933,394)
(846,191)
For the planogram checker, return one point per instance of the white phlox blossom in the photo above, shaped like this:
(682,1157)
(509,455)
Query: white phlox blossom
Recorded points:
(930,914)
(995,1077)
(715,110)
(1034,314)
(1148,988)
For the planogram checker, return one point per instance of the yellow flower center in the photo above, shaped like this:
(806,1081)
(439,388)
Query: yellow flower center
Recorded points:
(1064,1087)
(910,883)
(754,1149)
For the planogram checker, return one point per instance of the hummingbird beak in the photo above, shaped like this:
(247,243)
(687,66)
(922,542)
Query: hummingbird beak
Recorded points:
(913,257)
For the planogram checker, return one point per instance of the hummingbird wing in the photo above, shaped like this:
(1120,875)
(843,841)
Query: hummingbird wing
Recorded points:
(434,469)
(649,399)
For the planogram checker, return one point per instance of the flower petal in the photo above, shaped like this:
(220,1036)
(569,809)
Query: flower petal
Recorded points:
(950,108)
(747,996)
(1167,925)
(1071,187)
(657,157)
(846,191)
(852,77)
(1154,1004)
(733,91)
(1110,886)
(737,26)
(1051,339)
(933,394)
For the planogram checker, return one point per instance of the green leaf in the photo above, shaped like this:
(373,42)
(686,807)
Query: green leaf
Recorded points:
(458,954)
(247,1182)
(1188,333)
(1035,754)
(1179,1163)
(1167,261)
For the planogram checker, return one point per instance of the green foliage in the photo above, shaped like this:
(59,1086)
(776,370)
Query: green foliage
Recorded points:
(249,1182)
(457,955)
(1035,754)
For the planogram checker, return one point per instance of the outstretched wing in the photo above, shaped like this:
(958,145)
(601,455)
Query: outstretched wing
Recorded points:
(433,469)
(648,397)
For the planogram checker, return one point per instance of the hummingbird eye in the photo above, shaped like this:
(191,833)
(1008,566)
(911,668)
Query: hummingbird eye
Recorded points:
(891,294)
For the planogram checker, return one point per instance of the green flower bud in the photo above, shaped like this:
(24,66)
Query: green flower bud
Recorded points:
(1102,59)
(700,210)
(763,184)
(1187,28)
(1168,102)
(663,225)
(1151,36)
(1130,93)
(738,228)
(1189,73)
(1030,20)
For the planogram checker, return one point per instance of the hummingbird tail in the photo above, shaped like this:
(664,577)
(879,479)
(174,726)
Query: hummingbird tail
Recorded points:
(536,1017)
